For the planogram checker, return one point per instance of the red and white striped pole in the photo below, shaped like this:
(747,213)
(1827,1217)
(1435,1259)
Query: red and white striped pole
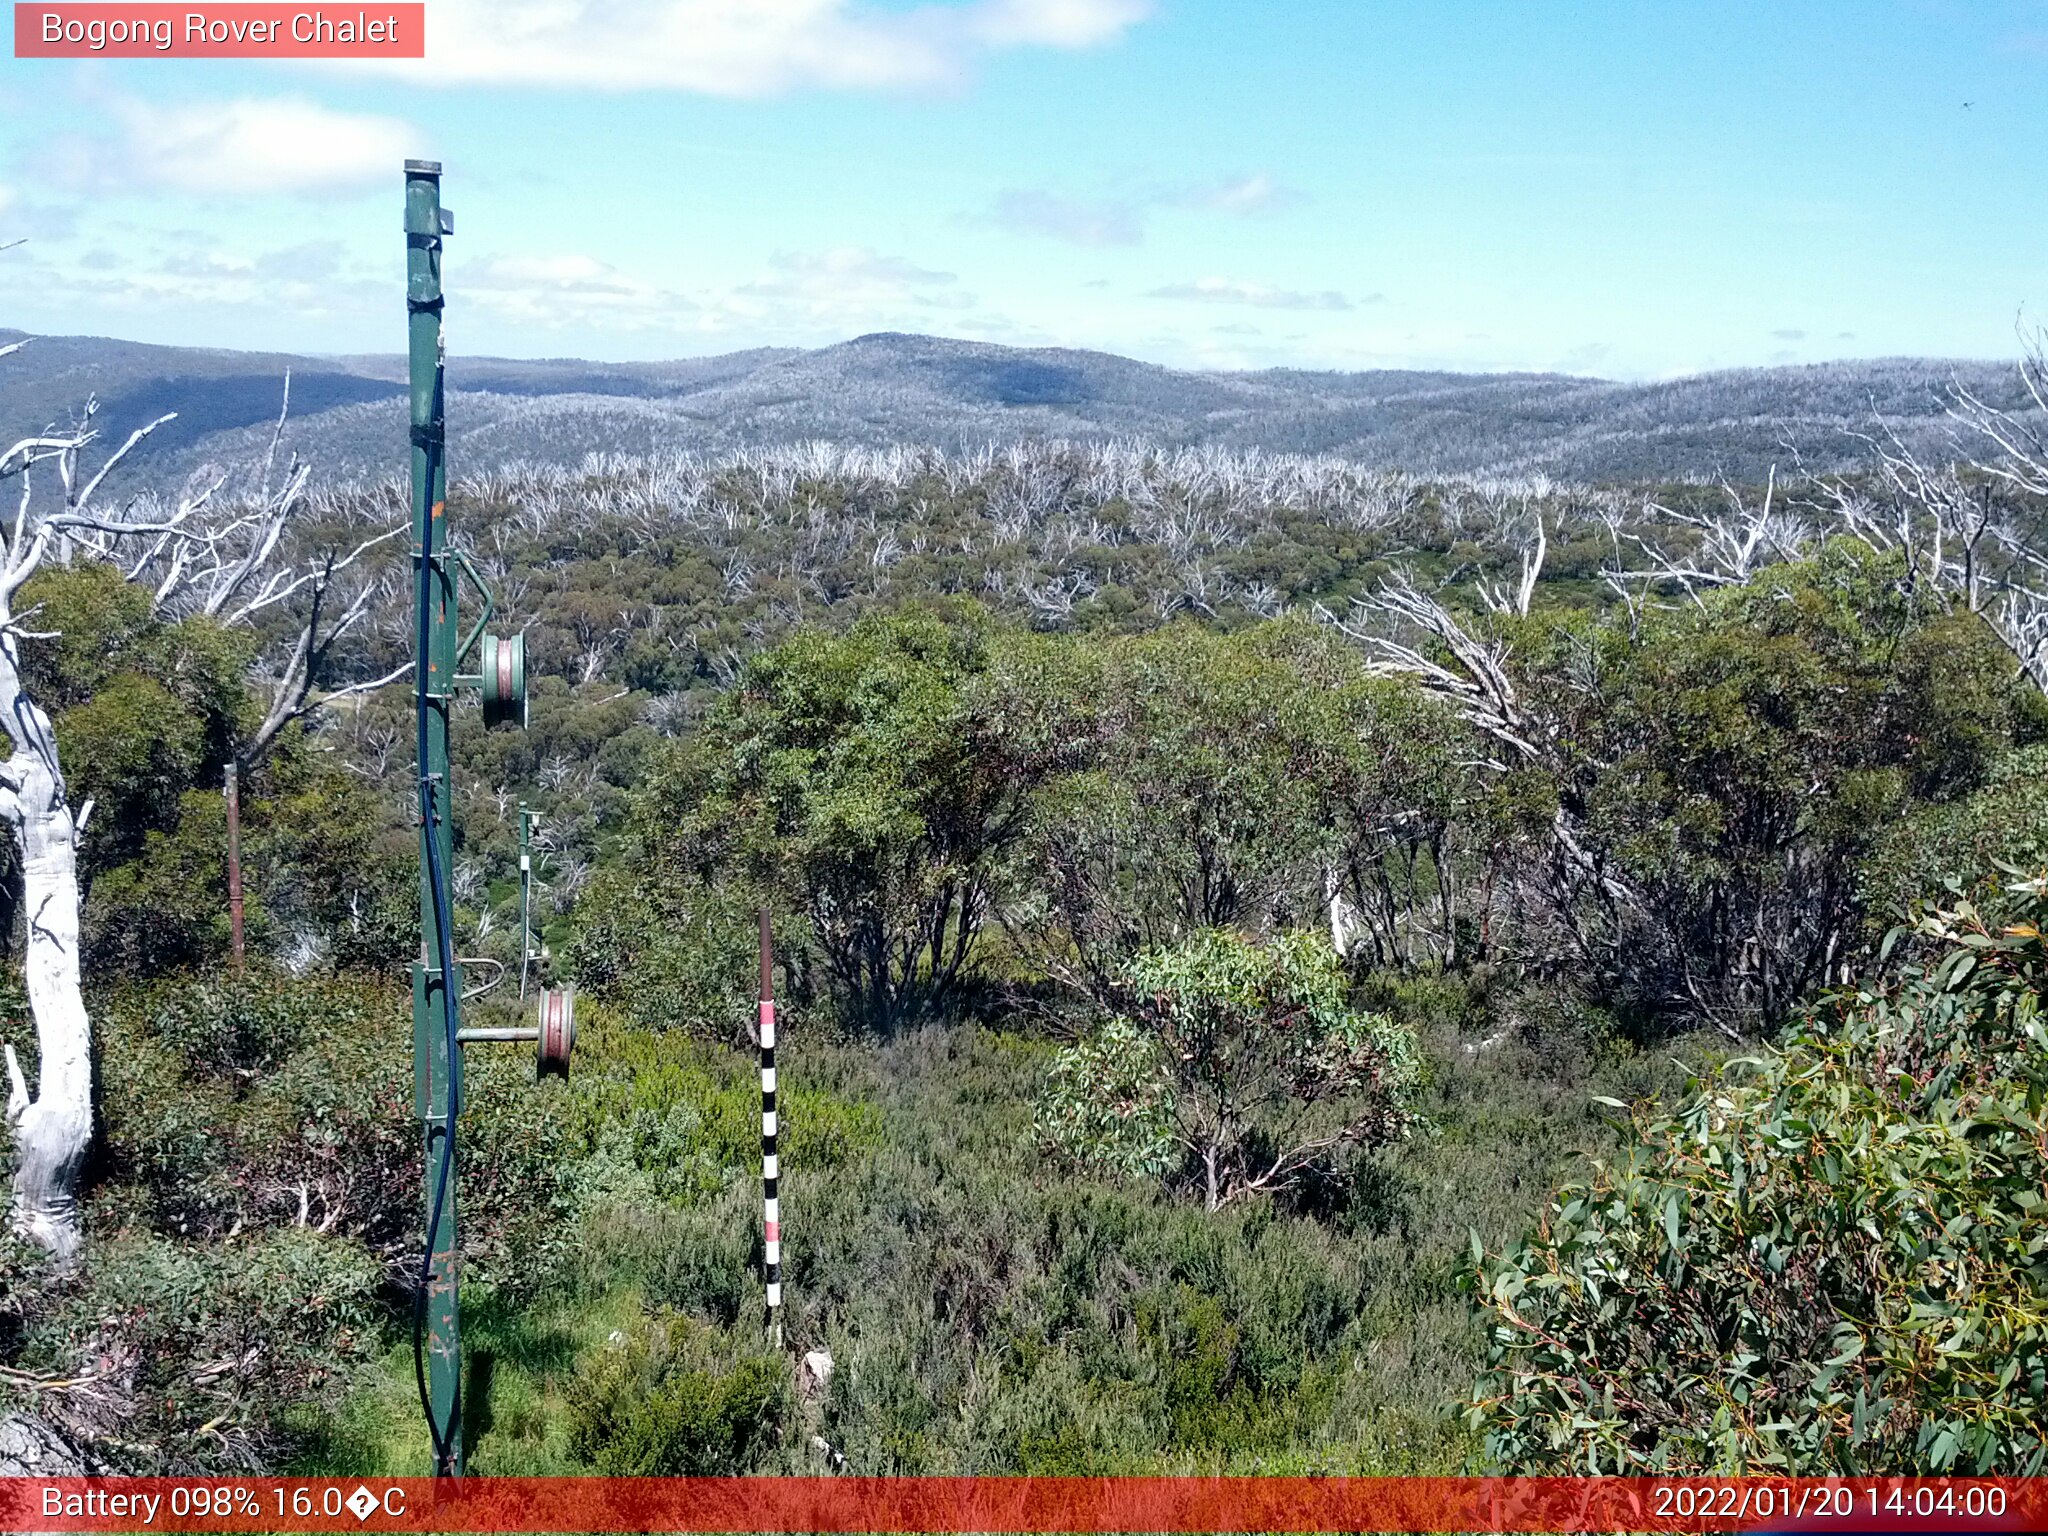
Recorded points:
(771,1214)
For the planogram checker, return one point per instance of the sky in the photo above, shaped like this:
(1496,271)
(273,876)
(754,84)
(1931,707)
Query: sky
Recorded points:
(1633,189)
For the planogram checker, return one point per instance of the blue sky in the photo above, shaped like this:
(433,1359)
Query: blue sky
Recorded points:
(1631,189)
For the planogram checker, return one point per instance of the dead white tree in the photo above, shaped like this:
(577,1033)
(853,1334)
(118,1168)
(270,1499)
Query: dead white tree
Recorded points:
(197,555)
(1408,633)
(53,1126)
(1732,545)
(235,568)
(1971,526)
(1534,551)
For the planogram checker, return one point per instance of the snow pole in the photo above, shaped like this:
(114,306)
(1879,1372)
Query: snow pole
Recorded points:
(771,1168)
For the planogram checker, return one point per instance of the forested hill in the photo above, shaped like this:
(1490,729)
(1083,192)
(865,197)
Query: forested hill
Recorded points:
(889,389)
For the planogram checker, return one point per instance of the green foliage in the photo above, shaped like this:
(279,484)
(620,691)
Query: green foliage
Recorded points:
(143,709)
(1736,762)
(324,876)
(1196,780)
(1243,1068)
(227,1026)
(212,1342)
(2003,823)
(1108,1103)
(167,908)
(1829,1260)
(673,955)
(668,1399)
(850,781)
(950,817)
(233,1104)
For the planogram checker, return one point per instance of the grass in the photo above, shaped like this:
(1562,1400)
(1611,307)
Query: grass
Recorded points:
(519,1363)
(989,1314)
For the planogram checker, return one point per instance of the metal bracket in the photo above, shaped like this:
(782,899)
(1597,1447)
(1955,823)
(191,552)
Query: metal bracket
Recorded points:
(497,975)
(476,633)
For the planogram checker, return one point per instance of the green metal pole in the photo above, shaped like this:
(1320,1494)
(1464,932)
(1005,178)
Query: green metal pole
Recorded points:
(433,1058)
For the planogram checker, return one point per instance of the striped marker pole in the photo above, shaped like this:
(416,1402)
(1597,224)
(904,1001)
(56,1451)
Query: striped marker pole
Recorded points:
(771,1213)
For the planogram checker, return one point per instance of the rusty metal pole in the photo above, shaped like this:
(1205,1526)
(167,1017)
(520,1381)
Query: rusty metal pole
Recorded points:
(234,794)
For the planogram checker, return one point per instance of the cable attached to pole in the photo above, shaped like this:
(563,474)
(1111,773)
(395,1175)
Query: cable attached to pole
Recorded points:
(426,223)
(437,884)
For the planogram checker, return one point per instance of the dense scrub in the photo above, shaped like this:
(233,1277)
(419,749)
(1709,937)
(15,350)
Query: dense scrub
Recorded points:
(1832,1259)
(1097,861)
(987,1316)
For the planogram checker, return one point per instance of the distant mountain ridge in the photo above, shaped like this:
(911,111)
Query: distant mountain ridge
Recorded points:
(348,413)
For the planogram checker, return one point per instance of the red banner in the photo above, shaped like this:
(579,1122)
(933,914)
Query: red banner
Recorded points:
(216,31)
(1025,1504)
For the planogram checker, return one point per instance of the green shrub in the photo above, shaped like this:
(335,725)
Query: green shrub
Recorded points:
(237,1103)
(209,1344)
(671,956)
(1108,1104)
(669,1399)
(226,1026)
(2005,822)
(704,1104)
(1829,1260)
(1244,1069)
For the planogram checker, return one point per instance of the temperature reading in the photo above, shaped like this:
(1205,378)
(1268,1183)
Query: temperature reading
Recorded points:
(306,1501)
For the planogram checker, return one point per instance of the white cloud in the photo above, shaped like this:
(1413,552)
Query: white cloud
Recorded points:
(249,145)
(1057,23)
(831,291)
(312,282)
(1220,290)
(1259,192)
(1122,220)
(852,278)
(743,48)
(569,289)
(1078,221)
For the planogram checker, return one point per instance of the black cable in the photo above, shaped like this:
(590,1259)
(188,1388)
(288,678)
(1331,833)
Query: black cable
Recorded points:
(437,885)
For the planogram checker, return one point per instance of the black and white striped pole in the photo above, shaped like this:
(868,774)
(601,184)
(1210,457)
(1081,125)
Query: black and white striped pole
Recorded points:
(771,1211)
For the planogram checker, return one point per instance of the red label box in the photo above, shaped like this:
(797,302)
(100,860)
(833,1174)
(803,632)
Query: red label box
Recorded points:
(373,29)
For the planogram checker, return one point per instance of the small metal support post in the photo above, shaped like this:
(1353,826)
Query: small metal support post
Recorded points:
(234,798)
(529,949)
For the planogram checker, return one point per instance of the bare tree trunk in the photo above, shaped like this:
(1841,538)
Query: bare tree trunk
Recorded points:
(224,563)
(53,1129)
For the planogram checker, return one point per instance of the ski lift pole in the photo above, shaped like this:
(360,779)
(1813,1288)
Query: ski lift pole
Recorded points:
(500,683)
(771,1168)
(437,1054)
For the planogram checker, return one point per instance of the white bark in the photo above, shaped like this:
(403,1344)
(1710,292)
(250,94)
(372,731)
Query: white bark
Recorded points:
(52,1129)
(222,562)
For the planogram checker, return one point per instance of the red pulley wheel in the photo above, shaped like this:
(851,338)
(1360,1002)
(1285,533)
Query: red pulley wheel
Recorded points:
(557,1030)
(503,680)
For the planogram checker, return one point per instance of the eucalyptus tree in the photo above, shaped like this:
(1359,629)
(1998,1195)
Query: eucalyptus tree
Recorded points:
(231,560)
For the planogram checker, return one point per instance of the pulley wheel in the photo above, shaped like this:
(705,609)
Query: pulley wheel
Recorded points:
(504,679)
(557,1031)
